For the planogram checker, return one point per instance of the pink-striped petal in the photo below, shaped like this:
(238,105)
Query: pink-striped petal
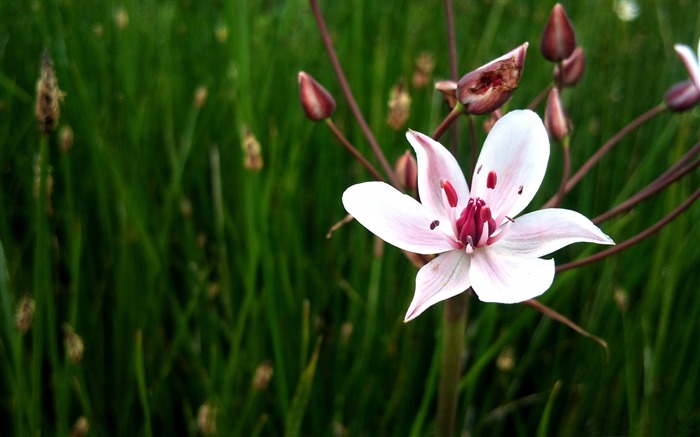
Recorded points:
(442,278)
(501,277)
(397,218)
(541,232)
(436,163)
(691,61)
(517,149)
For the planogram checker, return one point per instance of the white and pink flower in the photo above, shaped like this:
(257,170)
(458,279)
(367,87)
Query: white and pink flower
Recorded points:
(481,241)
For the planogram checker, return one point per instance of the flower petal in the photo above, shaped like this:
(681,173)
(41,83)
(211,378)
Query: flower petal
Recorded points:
(517,149)
(442,278)
(541,232)
(499,276)
(436,163)
(691,61)
(396,218)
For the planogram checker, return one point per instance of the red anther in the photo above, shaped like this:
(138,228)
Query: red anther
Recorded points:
(491,180)
(434,224)
(449,192)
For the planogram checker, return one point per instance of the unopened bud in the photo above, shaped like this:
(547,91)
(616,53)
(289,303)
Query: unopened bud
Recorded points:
(448,88)
(573,67)
(317,102)
(25,314)
(425,64)
(73,344)
(262,377)
(558,38)
(487,88)
(206,419)
(682,96)
(407,171)
(555,120)
(48,96)
(399,106)
(252,154)
(65,139)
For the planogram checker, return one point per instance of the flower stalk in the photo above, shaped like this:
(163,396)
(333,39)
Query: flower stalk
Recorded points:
(454,325)
(349,96)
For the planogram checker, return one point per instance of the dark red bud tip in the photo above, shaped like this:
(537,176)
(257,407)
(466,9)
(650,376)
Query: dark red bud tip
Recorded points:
(682,96)
(450,193)
(487,88)
(574,66)
(491,180)
(317,102)
(555,119)
(558,38)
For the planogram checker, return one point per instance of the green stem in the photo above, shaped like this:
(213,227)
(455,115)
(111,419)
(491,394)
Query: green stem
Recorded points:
(453,345)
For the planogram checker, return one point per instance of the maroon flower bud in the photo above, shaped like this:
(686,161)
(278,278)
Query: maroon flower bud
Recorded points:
(682,96)
(317,102)
(558,39)
(448,88)
(573,68)
(407,170)
(487,88)
(555,120)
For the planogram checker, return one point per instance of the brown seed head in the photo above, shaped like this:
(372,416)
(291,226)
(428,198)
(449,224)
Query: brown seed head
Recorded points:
(206,419)
(73,344)
(24,314)
(262,377)
(80,428)
(425,64)
(399,106)
(252,153)
(48,96)
(200,96)
(65,139)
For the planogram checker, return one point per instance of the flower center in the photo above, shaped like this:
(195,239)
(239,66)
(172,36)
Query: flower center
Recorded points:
(475,226)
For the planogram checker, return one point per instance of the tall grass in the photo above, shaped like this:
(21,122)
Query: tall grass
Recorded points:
(184,273)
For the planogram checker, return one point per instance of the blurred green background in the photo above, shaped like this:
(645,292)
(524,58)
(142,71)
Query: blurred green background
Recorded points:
(207,296)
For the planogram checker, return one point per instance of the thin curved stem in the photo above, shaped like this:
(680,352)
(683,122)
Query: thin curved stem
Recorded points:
(565,172)
(349,96)
(338,134)
(448,121)
(634,240)
(647,192)
(605,148)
